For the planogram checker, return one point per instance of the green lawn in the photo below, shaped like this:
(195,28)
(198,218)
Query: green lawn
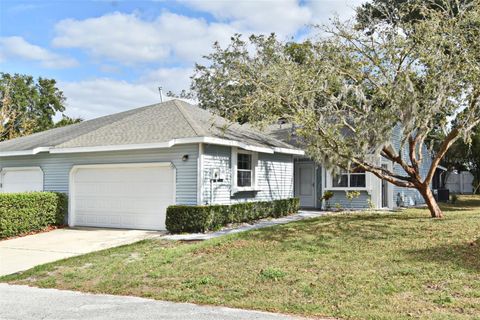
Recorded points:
(363,266)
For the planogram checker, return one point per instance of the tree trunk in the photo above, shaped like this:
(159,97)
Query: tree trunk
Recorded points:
(432,204)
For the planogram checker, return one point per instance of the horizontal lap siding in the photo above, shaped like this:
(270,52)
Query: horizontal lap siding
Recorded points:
(340,198)
(274,177)
(56,167)
(216,157)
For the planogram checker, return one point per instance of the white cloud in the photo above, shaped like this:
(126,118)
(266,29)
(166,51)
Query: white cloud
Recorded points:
(102,96)
(171,79)
(325,9)
(122,37)
(97,97)
(282,17)
(128,39)
(17,47)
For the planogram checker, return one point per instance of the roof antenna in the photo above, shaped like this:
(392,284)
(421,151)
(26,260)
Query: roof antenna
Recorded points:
(161,94)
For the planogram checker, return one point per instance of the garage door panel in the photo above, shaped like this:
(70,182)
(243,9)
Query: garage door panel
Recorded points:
(111,174)
(120,220)
(123,197)
(117,205)
(148,188)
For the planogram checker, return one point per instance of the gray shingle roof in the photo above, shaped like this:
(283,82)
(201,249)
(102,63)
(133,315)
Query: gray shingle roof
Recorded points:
(152,124)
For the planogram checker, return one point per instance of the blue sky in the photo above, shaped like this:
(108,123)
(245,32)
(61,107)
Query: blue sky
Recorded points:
(109,56)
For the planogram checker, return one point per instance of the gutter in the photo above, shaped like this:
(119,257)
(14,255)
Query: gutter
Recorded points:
(162,145)
(24,152)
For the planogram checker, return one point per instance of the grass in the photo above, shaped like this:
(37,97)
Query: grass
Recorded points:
(363,266)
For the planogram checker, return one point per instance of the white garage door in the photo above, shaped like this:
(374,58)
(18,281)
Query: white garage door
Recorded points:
(133,196)
(23,179)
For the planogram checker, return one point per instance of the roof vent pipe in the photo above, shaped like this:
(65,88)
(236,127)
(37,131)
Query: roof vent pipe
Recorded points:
(161,94)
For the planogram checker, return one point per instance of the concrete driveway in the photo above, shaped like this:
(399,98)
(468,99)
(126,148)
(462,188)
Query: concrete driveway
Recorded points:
(25,303)
(27,252)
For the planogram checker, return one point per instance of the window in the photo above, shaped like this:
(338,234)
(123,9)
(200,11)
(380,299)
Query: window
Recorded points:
(354,179)
(244,167)
(244,170)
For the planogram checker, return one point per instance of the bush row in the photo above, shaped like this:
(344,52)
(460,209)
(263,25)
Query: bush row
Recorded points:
(181,218)
(26,212)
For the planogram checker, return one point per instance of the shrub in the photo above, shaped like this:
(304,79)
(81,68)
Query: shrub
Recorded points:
(182,218)
(351,195)
(25,212)
(327,195)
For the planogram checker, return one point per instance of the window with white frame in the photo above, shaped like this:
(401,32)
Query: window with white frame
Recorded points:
(354,179)
(244,170)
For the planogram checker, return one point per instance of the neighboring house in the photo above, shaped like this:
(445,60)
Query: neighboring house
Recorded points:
(456,182)
(124,170)
(459,182)
(311,180)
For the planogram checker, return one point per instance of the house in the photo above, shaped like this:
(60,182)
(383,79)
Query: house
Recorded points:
(459,182)
(311,179)
(446,182)
(124,170)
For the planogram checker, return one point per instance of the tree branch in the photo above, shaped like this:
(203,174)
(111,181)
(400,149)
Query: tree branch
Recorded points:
(387,153)
(446,144)
(380,173)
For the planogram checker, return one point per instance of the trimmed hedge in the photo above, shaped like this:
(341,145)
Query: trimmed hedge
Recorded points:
(204,218)
(32,211)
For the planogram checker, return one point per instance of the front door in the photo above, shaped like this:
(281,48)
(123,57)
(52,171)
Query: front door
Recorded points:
(305,184)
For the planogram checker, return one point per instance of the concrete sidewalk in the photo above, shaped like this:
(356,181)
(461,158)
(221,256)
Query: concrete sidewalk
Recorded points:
(25,303)
(301,215)
(23,253)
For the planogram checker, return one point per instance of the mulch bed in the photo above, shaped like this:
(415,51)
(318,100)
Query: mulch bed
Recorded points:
(47,229)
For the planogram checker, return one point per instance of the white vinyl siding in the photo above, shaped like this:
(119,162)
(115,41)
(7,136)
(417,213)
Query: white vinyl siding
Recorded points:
(56,167)
(274,177)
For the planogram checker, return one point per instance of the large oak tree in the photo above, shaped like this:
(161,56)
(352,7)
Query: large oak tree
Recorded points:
(349,90)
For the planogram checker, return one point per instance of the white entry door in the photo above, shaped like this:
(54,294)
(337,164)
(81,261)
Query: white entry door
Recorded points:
(305,184)
(131,196)
(21,179)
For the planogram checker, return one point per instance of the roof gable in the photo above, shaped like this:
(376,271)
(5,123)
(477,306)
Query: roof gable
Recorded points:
(159,123)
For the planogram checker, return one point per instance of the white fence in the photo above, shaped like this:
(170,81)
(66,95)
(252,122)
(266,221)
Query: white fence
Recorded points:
(461,182)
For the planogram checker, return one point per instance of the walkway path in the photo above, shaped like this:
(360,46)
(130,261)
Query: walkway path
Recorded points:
(301,215)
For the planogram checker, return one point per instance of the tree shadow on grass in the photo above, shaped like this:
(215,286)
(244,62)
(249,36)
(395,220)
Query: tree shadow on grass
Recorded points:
(452,208)
(465,203)
(362,227)
(465,255)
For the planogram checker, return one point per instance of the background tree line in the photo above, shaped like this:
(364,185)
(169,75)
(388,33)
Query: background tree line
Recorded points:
(29,105)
